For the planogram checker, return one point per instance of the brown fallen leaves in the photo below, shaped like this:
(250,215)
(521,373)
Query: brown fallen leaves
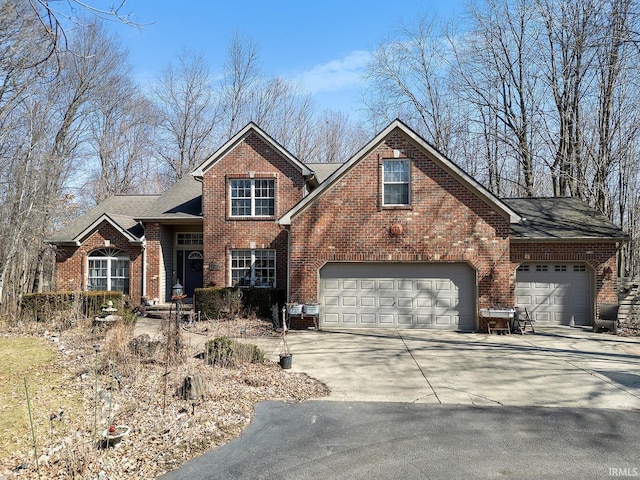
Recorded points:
(139,391)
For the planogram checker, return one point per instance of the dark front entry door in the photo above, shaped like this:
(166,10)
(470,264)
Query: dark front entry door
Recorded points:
(190,270)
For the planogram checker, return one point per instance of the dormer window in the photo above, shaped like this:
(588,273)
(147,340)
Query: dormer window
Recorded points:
(252,197)
(395,182)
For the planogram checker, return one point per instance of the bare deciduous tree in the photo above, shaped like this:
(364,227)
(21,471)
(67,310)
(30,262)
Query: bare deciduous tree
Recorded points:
(188,114)
(54,18)
(44,126)
(336,138)
(122,139)
(408,79)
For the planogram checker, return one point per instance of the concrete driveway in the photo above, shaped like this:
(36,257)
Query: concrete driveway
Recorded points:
(556,367)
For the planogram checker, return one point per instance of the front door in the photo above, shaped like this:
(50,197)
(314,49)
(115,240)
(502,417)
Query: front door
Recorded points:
(189,272)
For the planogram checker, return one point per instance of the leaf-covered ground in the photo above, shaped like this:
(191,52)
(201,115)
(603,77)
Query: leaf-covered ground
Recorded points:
(92,380)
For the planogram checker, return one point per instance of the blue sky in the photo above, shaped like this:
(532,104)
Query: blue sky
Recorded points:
(322,44)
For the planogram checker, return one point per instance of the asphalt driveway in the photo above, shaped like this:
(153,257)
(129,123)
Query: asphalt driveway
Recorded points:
(418,404)
(556,367)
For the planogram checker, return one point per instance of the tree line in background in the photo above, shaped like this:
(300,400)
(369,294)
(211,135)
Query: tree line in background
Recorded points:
(531,97)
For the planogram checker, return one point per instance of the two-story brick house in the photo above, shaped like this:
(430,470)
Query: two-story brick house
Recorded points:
(397,236)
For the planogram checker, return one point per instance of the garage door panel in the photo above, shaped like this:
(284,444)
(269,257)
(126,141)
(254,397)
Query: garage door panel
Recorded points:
(386,301)
(331,318)
(444,320)
(523,299)
(368,318)
(331,285)
(407,295)
(423,302)
(349,318)
(405,302)
(349,301)
(386,318)
(367,301)
(556,294)
(443,303)
(542,300)
(542,317)
(367,285)
(330,301)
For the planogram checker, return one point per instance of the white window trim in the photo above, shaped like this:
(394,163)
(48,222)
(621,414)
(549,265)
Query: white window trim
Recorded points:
(252,279)
(252,197)
(408,183)
(109,278)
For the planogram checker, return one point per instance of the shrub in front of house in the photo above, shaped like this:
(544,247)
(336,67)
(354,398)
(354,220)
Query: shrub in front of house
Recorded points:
(231,301)
(50,305)
(224,351)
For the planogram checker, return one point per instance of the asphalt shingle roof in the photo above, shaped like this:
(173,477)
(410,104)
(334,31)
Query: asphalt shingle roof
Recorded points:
(560,218)
(122,209)
(182,201)
(323,170)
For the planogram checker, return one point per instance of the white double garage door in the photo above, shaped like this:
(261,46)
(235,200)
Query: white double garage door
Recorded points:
(400,295)
(443,295)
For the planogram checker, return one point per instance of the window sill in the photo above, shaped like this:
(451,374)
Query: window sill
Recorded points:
(396,207)
(244,219)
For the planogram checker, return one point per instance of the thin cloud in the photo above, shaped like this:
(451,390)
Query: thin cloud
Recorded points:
(335,75)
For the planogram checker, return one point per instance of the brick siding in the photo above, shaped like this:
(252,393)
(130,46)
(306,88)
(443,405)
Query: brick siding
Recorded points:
(72,264)
(251,158)
(445,223)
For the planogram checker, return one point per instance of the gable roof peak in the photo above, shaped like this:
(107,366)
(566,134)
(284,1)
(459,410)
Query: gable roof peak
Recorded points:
(447,164)
(235,140)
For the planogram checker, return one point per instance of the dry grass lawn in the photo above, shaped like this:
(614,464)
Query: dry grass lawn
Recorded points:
(38,361)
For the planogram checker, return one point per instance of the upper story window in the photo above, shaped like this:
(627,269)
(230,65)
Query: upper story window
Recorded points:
(109,270)
(395,182)
(253,198)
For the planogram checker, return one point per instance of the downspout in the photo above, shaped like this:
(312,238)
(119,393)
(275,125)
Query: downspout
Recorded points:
(144,268)
(144,263)
(288,262)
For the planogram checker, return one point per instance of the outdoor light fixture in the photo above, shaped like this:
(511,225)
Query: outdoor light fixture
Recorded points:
(177,290)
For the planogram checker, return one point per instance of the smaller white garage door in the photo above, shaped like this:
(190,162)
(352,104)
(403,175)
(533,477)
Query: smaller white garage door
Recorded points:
(555,293)
(400,295)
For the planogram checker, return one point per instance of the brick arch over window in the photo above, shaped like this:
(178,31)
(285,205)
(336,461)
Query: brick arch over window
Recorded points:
(108,269)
